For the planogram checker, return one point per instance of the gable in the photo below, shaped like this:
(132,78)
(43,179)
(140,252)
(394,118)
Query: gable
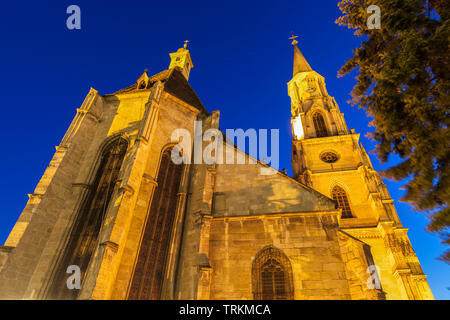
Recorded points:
(241,189)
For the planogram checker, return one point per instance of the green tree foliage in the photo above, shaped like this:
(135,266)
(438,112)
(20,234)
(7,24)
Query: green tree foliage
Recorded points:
(403,85)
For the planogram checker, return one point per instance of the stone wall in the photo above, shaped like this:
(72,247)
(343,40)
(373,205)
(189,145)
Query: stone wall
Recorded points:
(32,236)
(317,265)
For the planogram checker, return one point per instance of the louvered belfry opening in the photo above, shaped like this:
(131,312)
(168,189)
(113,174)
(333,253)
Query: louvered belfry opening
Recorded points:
(84,236)
(338,194)
(153,253)
(272,276)
(319,125)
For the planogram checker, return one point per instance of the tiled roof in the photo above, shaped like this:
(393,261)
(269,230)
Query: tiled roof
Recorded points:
(174,83)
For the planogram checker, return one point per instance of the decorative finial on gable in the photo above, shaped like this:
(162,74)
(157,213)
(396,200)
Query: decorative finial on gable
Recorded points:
(185,43)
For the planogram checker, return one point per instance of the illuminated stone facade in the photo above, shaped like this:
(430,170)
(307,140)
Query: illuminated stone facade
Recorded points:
(233,233)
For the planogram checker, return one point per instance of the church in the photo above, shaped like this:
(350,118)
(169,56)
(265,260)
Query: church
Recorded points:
(113,208)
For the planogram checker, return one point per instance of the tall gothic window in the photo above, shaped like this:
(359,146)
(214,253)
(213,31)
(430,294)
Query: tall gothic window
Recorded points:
(84,236)
(338,194)
(319,125)
(272,276)
(151,261)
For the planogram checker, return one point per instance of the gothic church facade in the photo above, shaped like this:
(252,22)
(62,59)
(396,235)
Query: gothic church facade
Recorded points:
(139,226)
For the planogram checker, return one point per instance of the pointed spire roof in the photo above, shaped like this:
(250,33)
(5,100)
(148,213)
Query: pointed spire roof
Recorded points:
(300,63)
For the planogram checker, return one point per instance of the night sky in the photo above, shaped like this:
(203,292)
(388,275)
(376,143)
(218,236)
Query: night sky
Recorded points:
(242,58)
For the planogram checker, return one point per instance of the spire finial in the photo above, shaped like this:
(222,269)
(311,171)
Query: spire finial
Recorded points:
(294,42)
(186,43)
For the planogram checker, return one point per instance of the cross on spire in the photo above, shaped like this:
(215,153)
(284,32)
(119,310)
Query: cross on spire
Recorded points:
(186,43)
(294,42)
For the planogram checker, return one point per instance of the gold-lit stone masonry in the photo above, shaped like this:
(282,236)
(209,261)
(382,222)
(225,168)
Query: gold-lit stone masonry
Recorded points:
(224,231)
(326,156)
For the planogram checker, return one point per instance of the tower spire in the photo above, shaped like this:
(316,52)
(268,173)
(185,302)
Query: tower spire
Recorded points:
(300,63)
(182,59)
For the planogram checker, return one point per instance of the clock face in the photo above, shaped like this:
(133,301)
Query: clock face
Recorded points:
(311,85)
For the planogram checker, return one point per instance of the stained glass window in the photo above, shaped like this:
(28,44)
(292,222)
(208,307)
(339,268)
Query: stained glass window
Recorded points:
(151,262)
(272,276)
(340,196)
(83,239)
(319,125)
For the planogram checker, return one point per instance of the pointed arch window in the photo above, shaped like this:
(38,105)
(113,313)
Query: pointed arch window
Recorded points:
(272,276)
(153,253)
(338,194)
(83,239)
(319,125)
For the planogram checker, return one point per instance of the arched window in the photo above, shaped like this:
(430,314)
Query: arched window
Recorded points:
(272,276)
(142,85)
(83,238)
(151,260)
(319,125)
(338,194)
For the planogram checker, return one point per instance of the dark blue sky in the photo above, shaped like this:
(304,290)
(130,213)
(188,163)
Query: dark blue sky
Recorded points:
(242,60)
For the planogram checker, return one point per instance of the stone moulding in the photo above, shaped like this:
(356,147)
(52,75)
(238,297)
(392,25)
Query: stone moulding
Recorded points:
(278,215)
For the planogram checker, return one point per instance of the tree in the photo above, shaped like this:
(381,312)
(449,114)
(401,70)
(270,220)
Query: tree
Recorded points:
(403,85)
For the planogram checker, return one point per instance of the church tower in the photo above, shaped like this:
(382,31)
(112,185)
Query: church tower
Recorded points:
(328,157)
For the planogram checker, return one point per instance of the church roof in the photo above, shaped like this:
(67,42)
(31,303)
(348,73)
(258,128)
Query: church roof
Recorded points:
(174,83)
(178,86)
(300,63)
